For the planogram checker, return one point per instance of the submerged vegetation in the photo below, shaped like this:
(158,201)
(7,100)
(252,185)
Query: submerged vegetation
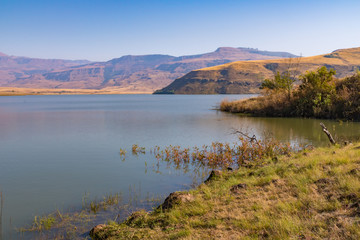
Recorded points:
(74,224)
(223,155)
(60,225)
(313,194)
(318,95)
(247,151)
(135,149)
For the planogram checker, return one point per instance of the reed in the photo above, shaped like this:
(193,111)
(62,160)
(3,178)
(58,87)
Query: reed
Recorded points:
(223,155)
(137,150)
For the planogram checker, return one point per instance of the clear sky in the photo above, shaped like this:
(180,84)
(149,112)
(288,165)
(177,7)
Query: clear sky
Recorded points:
(100,30)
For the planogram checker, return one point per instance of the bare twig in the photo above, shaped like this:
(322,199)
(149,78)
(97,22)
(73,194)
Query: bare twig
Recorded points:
(331,139)
(251,139)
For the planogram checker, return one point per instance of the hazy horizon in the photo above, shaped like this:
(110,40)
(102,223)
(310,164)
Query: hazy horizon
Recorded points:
(101,30)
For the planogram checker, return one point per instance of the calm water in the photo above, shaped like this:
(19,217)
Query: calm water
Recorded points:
(56,149)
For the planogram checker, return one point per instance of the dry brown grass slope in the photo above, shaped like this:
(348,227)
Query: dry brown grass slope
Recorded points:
(246,76)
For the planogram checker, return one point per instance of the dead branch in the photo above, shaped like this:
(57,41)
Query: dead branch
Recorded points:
(251,139)
(331,139)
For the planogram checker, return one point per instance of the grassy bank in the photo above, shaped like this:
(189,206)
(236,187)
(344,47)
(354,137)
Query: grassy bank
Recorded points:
(313,194)
(319,95)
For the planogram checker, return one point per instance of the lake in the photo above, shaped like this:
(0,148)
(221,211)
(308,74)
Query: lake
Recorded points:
(56,150)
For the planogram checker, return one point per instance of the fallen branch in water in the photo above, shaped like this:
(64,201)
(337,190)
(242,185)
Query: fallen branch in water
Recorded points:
(253,138)
(331,139)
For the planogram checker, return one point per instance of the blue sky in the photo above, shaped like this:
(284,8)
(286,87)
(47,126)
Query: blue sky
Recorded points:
(100,30)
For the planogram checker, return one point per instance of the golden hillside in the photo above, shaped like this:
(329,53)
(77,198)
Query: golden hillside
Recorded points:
(246,76)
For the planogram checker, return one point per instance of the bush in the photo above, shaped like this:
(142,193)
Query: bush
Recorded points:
(319,95)
(316,93)
(348,98)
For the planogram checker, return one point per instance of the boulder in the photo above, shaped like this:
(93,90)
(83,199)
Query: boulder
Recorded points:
(213,175)
(176,198)
(95,231)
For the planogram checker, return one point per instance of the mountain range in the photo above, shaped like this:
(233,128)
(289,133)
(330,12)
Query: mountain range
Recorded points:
(14,68)
(247,76)
(145,73)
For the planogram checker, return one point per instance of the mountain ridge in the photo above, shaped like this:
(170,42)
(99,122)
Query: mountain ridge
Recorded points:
(13,68)
(132,73)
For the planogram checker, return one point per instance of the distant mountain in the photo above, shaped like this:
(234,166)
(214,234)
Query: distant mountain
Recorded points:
(246,76)
(132,73)
(14,68)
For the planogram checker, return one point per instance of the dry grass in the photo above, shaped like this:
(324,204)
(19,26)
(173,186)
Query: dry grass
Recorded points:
(311,195)
(275,103)
(341,57)
(11,91)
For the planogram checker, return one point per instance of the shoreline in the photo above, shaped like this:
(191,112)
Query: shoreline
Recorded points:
(10,91)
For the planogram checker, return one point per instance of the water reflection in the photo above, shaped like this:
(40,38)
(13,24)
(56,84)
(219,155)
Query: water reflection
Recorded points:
(298,130)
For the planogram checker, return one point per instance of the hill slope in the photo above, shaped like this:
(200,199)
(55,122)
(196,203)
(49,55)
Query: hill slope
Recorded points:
(246,77)
(136,73)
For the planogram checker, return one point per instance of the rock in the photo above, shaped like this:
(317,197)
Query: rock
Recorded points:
(213,175)
(95,231)
(237,187)
(176,198)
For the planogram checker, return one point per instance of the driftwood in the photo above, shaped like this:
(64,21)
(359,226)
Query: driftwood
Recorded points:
(251,139)
(331,139)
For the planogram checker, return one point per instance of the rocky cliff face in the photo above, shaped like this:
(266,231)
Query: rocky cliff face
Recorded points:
(14,68)
(133,73)
(247,76)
